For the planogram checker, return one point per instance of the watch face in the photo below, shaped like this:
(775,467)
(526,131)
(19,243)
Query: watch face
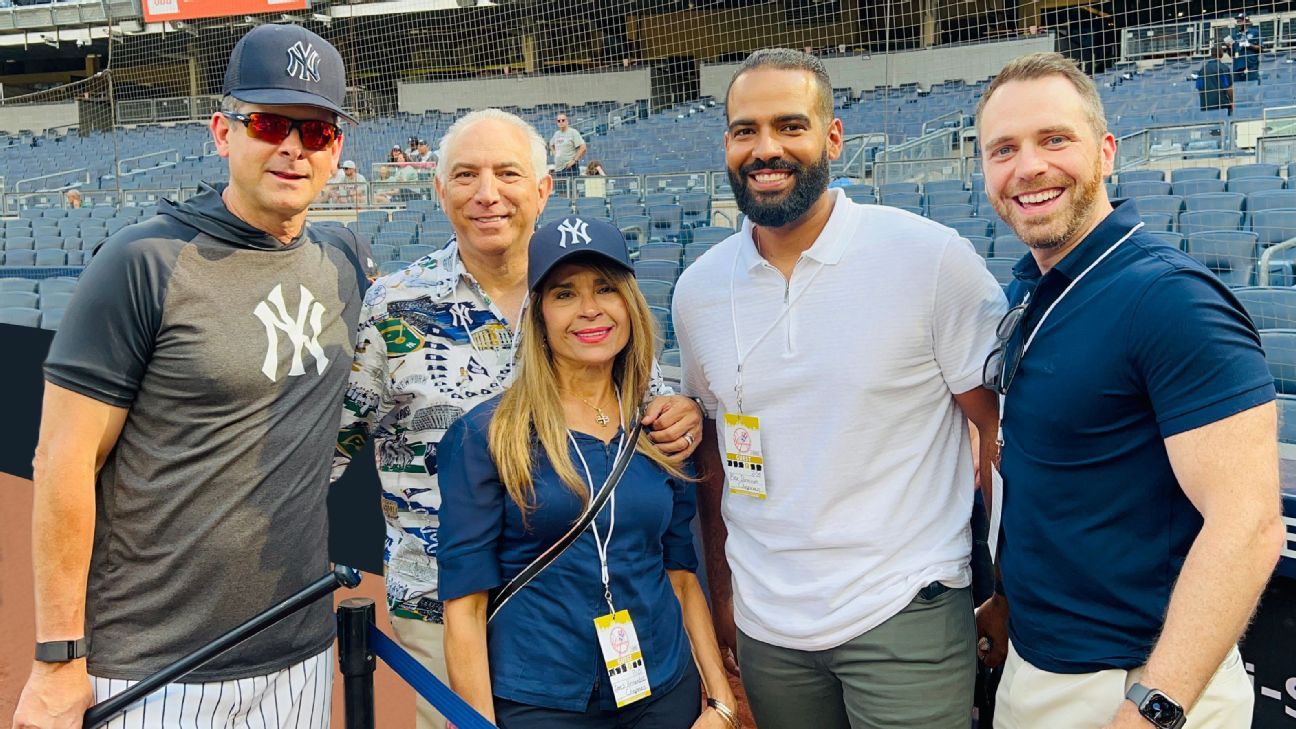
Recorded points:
(1161,710)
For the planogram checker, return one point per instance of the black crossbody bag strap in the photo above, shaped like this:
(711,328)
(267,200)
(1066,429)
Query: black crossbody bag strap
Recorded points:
(504,594)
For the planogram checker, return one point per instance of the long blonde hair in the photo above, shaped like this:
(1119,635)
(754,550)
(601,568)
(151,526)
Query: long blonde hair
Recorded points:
(531,411)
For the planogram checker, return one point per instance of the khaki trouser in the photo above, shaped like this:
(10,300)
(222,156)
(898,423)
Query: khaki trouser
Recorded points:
(426,642)
(1029,698)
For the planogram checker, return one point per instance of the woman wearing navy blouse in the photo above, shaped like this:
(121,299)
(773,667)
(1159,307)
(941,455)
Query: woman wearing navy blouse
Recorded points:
(607,635)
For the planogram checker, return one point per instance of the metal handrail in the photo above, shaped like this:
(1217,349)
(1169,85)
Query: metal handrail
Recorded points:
(615,118)
(172,152)
(84,171)
(1262,276)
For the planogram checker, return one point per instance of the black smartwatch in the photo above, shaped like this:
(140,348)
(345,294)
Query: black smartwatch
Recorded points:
(1160,710)
(61,651)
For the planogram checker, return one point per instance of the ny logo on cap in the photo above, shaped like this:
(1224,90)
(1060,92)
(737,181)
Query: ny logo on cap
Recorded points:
(303,62)
(577,229)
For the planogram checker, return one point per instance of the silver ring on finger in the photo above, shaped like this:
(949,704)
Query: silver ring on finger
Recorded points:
(689,437)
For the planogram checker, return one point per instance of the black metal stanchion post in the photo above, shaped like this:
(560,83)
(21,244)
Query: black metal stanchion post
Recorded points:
(356,661)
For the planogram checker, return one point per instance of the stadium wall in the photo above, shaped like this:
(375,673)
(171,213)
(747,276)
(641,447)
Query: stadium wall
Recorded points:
(970,63)
(38,117)
(623,86)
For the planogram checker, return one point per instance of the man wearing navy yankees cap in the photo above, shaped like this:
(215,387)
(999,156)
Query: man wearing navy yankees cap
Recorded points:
(189,413)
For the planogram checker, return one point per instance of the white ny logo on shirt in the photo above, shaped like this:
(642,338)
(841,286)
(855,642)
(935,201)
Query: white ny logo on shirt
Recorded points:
(309,312)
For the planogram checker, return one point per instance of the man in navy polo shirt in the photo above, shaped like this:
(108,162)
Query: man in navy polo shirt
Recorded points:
(1140,507)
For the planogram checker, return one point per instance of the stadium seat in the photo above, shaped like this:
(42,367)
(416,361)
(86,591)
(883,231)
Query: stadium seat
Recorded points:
(635,228)
(1286,418)
(666,222)
(1215,201)
(595,206)
(1237,172)
(22,316)
(672,252)
(389,267)
(409,216)
(30,213)
(902,199)
(1230,254)
(656,271)
(856,192)
(103,213)
(1174,240)
(75,258)
(1271,200)
(945,213)
(55,300)
(1009,246)
(1157,221)
(710,235)
(51,257)
(372,216)
(1270,308)
(1274,226)
(981,244)
(1169,204)
(1141,176)
(971,226)
(697,208)
(659,198)
(626,207)
(414,251)
(894,188)
(51,319)
(1248,185)
(1280,354)
(942,186)
(1195,221)
(947,197)
(1141,188)
(19,243)
(661,317)
(657,293)
(424,206)
(394,239)
(20,258)
(669,358)
(45,242)
(694,251)
(1001,269)
(1194,173)
(383,252)
(408,227)
(1185,188)
(26,299)
(17,284)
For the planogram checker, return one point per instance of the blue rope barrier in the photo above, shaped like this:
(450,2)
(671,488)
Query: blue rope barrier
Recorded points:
(428,686)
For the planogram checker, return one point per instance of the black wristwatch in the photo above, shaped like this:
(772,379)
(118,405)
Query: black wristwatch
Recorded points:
(61,651)
(1160,710)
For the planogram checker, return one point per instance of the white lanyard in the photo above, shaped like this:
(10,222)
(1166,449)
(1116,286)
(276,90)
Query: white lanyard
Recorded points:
(601,545)
(733,314)
(1071,285)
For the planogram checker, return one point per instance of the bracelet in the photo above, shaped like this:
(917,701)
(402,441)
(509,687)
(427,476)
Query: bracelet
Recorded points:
(725,712)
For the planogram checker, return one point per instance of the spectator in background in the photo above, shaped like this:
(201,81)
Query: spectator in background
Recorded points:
(595,169)
(350,190)
(396,150)
(405,172)
(1246,51)
(1215,82)
(422,153)
(567,147)
(73,198)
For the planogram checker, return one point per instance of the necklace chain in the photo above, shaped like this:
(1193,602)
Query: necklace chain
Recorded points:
(602,418)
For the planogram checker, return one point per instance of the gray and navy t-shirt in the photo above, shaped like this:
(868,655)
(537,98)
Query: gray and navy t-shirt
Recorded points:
(231,352)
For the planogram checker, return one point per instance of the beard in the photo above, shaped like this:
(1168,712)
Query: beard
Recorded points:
(808,183)
(1063,225)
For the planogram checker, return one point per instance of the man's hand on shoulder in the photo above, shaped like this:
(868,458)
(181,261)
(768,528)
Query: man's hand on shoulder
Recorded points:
(56,696)
(676,423)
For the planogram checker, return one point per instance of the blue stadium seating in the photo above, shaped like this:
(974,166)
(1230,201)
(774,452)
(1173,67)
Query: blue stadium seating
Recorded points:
(1280,354)
(1270,308)
(1195,221)
(1230,254)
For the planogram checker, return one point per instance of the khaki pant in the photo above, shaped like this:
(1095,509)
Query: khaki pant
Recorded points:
(426,642)
(1029,698)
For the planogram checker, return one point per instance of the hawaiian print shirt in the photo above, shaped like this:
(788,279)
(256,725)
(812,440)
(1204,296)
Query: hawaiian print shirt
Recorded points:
(430,346)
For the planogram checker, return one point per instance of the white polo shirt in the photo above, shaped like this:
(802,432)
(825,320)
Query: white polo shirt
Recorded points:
(868,464)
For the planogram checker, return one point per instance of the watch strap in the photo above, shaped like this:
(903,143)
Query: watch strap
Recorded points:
(61,651)
(1138,693)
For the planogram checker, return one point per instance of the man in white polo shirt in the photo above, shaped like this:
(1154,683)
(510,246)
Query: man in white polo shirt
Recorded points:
(837,349)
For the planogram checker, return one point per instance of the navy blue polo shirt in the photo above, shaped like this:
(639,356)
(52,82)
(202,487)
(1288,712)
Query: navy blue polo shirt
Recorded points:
(542,645)
(1095,526)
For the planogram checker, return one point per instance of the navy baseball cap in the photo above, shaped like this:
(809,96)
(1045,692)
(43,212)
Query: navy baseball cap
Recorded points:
(287,64)
(572,236)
